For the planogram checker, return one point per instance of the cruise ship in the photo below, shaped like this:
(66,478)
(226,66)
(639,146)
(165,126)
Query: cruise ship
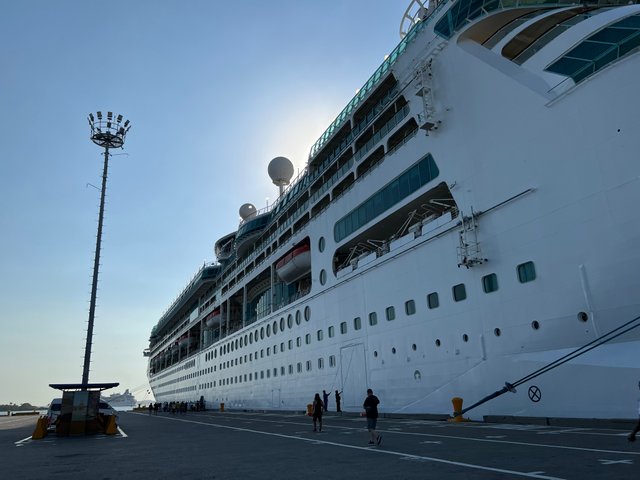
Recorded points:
(470,217)
(118,400)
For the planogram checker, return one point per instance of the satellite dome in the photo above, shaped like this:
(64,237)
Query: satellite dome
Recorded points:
(280,170)
(247,211)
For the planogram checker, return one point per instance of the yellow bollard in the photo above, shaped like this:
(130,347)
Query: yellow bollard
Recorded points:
(457,408)
(41,428)
(222,407)
(309,410)
(112,428)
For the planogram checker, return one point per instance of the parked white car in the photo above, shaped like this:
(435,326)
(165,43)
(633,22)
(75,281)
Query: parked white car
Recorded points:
(52,412)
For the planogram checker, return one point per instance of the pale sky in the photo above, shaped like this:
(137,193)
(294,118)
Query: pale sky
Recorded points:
(214,90)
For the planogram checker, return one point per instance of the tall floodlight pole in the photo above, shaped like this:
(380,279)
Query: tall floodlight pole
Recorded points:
(107,133)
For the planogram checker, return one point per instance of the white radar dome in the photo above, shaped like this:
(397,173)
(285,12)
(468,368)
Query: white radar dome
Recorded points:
(280,170)
(247,211)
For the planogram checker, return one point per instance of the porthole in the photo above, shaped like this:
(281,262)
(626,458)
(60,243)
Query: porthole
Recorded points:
(262,333)
(290,320)
(465,338)
(437,342)
(323,277)
(417,375)
(535,325)
(282,324)
(275,327)
(375,353)
(496,332)
(268,330)
(414,347)
(298,317)
(583,317)
(236,342)
(393,350)
(321,244)
(307,313)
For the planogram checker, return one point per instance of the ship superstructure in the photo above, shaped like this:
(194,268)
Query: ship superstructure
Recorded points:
(466,219)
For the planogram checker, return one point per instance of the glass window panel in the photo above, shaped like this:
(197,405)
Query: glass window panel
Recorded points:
(432,300)
(391,313)
(584,72)
(459,292)
(410,307)
(343,327)
(589,50)
(490,283)
(567,66)
(629,22)
(607,58)
(526,272)
(611,35)
(629,44)
(373,318)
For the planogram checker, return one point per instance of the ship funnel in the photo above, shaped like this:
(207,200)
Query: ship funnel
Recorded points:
(280,170)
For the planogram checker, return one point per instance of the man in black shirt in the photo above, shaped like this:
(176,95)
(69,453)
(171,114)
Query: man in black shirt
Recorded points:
(371,412)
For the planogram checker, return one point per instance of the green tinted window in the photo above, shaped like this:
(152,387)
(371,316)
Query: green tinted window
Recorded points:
(490,283)
(526,272)
(399,188)
(459,292)
(599,50)
(432,300)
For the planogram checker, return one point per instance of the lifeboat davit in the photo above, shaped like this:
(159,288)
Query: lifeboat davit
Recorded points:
(213,319)
(294,264)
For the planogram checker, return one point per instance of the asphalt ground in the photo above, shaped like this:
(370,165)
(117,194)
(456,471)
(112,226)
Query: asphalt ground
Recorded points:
(249,445)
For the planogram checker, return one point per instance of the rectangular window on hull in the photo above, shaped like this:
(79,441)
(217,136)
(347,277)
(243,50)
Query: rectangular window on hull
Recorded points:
(391,313)
(459,292)
(410,307)
(490,283)
(373,318)
(526,272)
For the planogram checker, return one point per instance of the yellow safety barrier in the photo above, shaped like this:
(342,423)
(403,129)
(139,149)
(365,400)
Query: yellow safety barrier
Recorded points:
(111,428)
(41,428)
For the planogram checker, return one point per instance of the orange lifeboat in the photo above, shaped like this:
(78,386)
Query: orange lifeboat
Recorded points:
(213,319)
(295,264)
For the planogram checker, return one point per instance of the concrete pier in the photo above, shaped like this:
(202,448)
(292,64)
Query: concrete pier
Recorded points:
(254,445)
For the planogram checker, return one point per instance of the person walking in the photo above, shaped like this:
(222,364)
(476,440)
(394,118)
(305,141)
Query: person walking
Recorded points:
(636,429)
(325,400)
(338,401)
(370,406)
(317,411)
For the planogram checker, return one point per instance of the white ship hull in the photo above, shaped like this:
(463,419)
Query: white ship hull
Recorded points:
(546,173)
